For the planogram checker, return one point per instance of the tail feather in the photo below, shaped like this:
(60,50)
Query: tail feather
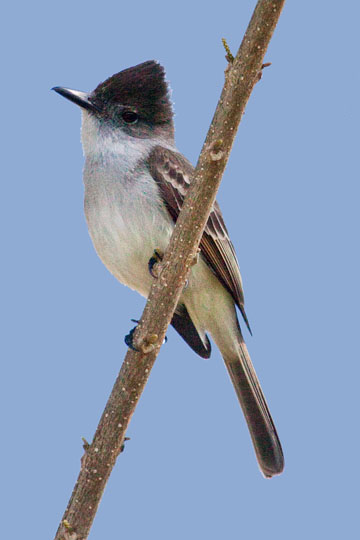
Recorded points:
(261,426)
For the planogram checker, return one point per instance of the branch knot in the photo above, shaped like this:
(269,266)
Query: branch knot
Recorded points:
(216,150)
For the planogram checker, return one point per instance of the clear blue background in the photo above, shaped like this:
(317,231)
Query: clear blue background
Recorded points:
(290,196)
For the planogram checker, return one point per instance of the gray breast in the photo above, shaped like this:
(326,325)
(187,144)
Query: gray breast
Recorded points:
(126,220)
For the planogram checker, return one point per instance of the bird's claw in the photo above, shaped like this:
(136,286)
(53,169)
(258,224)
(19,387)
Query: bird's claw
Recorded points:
(156,257)
(146,347)
(130,336)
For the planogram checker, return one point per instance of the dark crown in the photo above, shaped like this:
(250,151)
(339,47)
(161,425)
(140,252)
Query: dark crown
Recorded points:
(143,88)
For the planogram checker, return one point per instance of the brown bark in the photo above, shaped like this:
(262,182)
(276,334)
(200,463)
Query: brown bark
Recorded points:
(99,458)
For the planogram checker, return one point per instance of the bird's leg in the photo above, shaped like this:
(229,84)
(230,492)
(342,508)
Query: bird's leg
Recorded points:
(129,337)
(156,257)
(148,346)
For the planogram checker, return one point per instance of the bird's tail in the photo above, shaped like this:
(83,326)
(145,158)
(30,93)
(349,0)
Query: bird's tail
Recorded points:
(261,426)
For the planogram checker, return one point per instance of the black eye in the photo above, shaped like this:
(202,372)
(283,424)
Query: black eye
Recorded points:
(130,117)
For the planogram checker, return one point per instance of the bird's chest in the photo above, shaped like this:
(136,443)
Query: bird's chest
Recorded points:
(126,221)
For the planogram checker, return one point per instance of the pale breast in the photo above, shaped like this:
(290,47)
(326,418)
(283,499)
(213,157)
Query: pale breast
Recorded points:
(126,221)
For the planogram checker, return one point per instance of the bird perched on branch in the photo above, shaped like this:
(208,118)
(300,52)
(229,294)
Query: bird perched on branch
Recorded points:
(135,182)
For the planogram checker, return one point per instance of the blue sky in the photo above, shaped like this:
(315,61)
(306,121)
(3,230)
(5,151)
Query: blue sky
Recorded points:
(290,197)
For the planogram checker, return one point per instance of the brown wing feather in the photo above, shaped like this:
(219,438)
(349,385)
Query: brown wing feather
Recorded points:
(172,172)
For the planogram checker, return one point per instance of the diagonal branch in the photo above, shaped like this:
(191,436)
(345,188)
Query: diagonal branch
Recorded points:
(99,458)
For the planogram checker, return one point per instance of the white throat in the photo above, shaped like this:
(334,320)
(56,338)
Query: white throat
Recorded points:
(126,217)
(97,140)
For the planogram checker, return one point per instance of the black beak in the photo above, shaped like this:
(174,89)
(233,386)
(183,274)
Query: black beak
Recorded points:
(79,98)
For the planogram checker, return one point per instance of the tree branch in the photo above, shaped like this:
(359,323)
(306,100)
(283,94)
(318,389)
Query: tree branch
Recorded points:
(99,458)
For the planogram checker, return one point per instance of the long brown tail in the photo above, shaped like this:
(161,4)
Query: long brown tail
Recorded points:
(261,426)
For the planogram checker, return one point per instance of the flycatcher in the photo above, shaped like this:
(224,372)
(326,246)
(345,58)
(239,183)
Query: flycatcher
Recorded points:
(135,182)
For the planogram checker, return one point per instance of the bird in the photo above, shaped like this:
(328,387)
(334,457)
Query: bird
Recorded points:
(135,182)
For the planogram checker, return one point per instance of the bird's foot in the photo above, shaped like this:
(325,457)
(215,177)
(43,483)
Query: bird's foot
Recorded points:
(149,342)
(130,336)
(156,257)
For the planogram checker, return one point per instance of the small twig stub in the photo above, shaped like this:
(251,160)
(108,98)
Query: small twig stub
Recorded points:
(229,57)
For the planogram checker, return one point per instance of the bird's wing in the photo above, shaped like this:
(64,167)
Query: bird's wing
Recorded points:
(172,173)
